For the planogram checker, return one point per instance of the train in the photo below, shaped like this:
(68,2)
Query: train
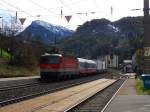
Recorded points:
(60,66)
(128,66)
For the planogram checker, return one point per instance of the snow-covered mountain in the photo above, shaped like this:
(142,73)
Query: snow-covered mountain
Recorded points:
(44,32)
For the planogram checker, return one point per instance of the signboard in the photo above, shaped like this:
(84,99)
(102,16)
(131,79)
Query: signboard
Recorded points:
(22,20)
(68,18)
(146,51)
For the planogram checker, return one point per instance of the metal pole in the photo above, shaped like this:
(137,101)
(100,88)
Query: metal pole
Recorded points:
(146,61)
(146,8)
(1,38)
(146,23)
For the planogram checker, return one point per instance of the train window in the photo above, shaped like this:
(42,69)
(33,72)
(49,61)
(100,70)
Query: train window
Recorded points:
(82,64)
(86,65)
(93,65)
(50,59)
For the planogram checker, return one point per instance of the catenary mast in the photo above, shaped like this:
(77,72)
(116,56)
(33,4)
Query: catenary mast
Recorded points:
(146,61)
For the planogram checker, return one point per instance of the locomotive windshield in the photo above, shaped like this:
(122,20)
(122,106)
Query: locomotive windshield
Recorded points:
(50,59)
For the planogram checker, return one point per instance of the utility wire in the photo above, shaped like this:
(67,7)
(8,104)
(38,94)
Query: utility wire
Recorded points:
(76,2)
(70,9)
(96,4)
(74,13)
(17,8)
(59,7)
(135,9)
(42,7)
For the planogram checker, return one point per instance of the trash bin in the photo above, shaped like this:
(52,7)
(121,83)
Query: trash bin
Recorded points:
(146,80)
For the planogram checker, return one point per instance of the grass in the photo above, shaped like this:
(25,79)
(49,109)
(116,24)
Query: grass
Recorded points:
(140,88)
(5,54)
(7,70)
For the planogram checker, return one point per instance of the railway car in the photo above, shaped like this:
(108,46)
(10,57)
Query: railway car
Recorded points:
(55,66)
(87,66)
(104,66)
(101,66)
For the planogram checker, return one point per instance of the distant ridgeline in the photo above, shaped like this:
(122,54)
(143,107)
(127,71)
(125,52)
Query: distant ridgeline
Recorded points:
(101,37)
(92,39)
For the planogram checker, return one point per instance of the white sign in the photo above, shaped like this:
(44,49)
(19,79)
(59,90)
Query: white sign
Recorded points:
(146,51)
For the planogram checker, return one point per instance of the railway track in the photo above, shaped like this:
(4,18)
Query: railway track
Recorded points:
(32,95)
(5,84)
(17,93)
(99,101)
(5,88)
(64,100)
(12,94)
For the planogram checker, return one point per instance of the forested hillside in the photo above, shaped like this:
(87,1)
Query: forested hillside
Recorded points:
(101,36)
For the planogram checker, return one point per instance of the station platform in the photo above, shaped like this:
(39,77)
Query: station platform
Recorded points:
(127,100)
(60,101)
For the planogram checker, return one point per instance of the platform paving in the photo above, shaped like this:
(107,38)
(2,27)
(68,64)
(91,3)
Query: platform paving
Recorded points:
(127,100)
(130,103)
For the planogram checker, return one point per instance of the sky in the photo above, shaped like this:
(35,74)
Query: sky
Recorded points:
(79,10)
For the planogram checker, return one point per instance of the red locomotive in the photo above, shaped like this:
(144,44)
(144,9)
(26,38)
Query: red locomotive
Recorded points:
(56,66)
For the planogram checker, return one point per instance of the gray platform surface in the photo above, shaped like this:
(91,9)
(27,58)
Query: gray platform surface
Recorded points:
(129,103)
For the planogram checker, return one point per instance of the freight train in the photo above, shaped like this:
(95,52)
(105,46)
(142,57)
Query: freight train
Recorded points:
(59,66)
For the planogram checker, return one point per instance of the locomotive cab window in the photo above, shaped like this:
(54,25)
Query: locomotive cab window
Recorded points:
(50,59)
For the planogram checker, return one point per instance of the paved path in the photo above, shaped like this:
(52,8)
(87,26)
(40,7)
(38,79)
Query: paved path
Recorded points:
(127,100)
(129,88)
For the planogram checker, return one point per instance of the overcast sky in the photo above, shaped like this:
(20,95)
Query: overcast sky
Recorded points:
(80,10)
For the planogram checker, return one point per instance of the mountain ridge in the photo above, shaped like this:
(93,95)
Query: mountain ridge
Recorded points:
(101,36)
(44,32)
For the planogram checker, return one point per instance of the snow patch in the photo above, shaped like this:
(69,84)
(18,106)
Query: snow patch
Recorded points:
(115,29)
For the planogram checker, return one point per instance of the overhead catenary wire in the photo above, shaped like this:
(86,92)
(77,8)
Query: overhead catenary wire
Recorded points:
(2,5)
(66,5)
(43,7)
(17,8)
(59,7)
(96,5)
(70,9)
(79,14)
(76,13)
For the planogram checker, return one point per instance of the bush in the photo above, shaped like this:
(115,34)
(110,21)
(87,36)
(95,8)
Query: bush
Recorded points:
(24,56)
